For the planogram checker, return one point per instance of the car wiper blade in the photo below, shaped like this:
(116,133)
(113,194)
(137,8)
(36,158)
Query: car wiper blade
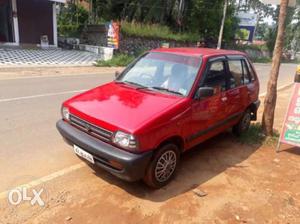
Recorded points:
(140,86)
(134,83)
(166,89)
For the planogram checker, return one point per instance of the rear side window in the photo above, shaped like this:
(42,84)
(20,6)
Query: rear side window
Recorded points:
(240,72)
(247,75)
(250,70)
(236,73)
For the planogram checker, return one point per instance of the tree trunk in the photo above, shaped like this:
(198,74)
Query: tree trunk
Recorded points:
(222,25)
(270,100)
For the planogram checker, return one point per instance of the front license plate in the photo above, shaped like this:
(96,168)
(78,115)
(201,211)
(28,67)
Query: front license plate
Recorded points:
(83,154)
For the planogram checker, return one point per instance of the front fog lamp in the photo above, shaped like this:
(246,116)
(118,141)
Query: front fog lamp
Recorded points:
(65,113)
(124,140)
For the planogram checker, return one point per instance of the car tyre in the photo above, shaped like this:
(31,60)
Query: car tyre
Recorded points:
(163,166)
(244,123)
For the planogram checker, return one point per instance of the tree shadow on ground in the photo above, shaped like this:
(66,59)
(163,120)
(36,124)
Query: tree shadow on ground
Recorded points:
(198,165)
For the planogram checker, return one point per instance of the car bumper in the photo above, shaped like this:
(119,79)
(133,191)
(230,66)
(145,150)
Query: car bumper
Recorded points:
(130,166)
(254,109)
(257,104)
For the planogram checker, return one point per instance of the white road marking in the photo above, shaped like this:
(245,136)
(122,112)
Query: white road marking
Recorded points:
(278,89)
(45,178)
(41,95)
(54,76)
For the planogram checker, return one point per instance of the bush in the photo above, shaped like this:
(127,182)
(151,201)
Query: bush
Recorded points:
(117,60)
(155,31)
(262,60)
(71,20)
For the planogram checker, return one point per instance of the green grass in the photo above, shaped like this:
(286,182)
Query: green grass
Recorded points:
(117,60)
(262,60)
(255,136)
(296,61)
(155,31)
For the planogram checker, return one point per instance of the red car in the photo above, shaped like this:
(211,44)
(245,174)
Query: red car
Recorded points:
(162,104)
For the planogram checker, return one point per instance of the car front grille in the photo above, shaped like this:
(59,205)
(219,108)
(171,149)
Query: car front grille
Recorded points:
(91,129)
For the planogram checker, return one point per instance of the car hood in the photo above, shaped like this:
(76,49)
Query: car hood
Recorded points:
(119,106)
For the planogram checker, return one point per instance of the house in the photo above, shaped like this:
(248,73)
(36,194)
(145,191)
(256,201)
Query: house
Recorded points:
(24,22)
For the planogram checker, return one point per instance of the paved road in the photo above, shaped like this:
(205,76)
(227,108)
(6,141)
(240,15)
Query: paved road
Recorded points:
(30,147)
(286,75)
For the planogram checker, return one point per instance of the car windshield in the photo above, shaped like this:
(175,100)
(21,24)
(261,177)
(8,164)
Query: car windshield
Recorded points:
(165,72)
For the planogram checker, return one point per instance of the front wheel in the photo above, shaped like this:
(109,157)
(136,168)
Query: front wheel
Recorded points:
(163,166)
(243,124)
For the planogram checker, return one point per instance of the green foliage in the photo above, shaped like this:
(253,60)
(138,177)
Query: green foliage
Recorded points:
(255,136)
(197,18)
(262,60)
(71,20)
(155,31)
(178,19)
(242,34)
(270,38)
(117,60)
(206,16)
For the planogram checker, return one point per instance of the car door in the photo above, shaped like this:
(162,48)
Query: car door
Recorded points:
(250,81)
(237,92)
(208,113)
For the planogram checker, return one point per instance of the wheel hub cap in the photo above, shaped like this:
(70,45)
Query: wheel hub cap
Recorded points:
(165,166)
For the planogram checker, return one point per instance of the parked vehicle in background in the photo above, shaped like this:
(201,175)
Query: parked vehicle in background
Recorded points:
(161,105)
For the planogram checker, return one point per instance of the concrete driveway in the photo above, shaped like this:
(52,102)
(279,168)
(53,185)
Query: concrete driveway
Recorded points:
(14,57)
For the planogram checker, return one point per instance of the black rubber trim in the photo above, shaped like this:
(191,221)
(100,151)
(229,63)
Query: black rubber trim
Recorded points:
(256,104)
(211,128)
(134,165)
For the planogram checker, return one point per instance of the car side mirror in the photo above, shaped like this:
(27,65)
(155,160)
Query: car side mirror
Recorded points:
(117,74)
(204,92)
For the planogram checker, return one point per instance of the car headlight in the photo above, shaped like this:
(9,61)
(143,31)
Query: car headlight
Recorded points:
(125,140)
(65,113)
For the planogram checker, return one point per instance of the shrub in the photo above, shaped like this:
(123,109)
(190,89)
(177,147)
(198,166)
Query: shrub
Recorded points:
(117,60)
(71,20)
(155,31)
(262,60)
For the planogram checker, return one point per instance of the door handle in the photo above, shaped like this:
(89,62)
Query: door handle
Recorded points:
(224,98)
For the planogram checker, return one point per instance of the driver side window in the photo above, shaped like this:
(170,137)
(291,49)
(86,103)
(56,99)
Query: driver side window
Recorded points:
(216,76)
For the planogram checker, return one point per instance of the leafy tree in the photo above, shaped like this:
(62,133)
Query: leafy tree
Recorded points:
(206,15)
(72,19)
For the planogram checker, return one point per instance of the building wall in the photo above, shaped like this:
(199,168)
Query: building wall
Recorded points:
(35,19)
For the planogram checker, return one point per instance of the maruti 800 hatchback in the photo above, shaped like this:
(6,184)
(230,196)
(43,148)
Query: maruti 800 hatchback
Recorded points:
(162,104)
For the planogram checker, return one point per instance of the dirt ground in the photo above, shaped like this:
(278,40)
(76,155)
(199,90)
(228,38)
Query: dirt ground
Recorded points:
(242,183)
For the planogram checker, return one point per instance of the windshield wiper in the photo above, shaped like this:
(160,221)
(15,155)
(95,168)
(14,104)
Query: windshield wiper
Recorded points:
(140,86)
(166,89)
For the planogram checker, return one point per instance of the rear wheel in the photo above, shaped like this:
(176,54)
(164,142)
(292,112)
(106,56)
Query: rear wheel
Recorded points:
(163,166)
(243,124)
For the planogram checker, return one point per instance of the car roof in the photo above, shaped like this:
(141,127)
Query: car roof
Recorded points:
(189,51)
